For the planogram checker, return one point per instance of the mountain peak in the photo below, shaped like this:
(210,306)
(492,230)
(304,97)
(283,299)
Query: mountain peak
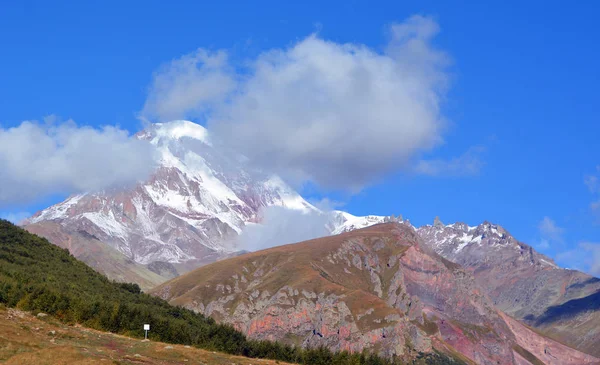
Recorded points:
(175,130)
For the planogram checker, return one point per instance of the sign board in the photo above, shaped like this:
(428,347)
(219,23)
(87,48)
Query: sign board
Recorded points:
(146,327)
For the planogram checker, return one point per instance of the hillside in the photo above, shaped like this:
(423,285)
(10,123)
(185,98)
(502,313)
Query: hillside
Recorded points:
(102,257)
(377,288)
(40,277)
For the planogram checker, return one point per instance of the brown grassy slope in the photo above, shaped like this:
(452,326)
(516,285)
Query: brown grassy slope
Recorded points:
(297,265)
(25,339)
(297,258)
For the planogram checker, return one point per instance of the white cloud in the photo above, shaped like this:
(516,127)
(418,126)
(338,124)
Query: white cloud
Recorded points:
(593,260)
(40,159)
(469,163)
(543,244)
(593,184)
(326,204)
(281,226)
(338,115)
(593,181)
(190,85)
(586,257)
(15,217)
(550,232)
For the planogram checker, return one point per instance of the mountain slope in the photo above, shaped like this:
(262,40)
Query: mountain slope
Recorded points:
(523,282)
(107,260)
(377,288)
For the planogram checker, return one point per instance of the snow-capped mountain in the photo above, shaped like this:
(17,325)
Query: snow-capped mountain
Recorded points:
(194,205)
(200,197)
(473,246)
(513,273)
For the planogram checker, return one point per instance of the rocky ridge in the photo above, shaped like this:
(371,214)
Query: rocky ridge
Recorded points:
(522,282)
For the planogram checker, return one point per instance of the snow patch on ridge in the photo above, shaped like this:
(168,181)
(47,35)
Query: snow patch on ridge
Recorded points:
(464,241)
(289,198)
(107,223)
(56,211)
(345,222)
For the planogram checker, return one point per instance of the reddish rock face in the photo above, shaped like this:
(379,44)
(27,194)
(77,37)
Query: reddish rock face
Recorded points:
(377,288)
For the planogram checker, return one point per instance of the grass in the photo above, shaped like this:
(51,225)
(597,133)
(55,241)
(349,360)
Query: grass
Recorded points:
(25,339)
(303,266)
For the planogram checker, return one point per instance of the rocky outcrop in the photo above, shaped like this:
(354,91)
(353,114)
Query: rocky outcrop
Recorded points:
(377,288)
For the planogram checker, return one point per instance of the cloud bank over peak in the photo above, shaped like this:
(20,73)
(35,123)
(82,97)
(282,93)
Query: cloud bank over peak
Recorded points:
(39,159)
(338,115)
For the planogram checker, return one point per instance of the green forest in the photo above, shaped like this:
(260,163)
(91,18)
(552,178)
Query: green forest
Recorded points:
(37,276)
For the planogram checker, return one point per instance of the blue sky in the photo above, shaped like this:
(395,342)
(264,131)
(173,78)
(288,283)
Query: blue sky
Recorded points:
(523,92)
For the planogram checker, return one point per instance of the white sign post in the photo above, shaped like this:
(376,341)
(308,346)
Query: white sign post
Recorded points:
(146,329)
